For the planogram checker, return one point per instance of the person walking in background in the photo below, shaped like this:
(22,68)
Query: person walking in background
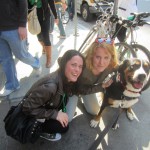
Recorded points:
(100,59)
(59,4)
(13,41)
(43,13)
(71,7)
(47,98)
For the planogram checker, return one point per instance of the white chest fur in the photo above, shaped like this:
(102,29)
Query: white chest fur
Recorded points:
(124,103)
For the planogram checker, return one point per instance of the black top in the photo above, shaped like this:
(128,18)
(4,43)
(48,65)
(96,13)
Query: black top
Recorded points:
(13,14)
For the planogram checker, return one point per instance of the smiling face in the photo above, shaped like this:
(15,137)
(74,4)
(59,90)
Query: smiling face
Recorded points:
(101,60)
(73,68)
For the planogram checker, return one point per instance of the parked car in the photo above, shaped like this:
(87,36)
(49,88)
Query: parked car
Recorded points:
(88,8)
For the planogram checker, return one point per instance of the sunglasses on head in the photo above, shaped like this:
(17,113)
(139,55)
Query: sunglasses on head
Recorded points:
(106,40)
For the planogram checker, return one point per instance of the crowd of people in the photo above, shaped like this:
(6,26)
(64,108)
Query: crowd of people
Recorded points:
(53,99)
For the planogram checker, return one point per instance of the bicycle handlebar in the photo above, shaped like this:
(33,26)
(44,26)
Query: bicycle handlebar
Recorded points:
(142,15)
(137,21)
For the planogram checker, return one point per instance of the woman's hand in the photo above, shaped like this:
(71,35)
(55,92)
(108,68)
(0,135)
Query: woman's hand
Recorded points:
(56,21)
(107,84)
(62,118)
(22,33)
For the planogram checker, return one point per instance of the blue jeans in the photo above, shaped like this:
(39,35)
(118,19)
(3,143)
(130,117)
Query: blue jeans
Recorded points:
(71,8)
(10,44)
(60,24)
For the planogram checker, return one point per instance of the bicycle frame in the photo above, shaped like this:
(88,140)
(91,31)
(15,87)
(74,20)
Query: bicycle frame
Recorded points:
(99,29)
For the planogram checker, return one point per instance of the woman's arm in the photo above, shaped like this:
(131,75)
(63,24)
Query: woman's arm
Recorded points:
(33,104)
(87,89)
(52,6)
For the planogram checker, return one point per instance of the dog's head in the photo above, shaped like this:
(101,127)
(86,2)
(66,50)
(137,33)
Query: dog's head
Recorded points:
(136,73)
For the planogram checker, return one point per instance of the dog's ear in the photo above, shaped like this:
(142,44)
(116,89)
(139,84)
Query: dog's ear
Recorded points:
(123,65)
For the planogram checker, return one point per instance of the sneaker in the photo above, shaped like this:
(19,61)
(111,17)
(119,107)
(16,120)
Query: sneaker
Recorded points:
(38,71)
(51,137)
(5,92)
(62,37)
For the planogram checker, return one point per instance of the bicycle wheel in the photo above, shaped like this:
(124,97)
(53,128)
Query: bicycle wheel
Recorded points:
(65,17)
(124,51)
(142,52)
(87,40)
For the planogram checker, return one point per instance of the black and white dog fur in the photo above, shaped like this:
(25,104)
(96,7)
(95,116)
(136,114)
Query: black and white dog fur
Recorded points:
(124,92)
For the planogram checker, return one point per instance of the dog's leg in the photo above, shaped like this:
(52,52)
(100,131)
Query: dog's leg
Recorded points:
(130,114)
(94,122)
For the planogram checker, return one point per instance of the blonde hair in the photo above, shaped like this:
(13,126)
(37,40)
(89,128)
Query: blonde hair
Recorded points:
(89,53)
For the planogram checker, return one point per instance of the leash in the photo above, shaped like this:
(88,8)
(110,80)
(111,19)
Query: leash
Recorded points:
(106,129)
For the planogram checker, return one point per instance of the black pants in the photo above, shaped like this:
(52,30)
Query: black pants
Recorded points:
(44,21)
(53,126)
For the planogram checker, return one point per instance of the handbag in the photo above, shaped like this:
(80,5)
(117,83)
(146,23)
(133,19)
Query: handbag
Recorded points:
(21,127)
(33,22)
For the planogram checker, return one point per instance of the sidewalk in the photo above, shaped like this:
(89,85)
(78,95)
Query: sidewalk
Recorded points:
(133,135)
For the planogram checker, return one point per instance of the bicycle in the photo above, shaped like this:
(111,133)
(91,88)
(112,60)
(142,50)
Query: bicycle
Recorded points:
(103,28)
(140,50)
(137,21)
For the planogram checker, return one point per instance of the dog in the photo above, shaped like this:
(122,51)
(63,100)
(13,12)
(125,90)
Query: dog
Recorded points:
(129,79)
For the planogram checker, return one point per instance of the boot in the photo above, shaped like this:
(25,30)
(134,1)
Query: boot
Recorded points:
(43,47)
(48,56)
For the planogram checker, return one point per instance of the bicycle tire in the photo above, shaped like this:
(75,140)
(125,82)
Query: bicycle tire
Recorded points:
(142,52)
(88,38)
(65,17)
(124,51)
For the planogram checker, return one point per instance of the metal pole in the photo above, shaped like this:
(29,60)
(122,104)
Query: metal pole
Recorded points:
(115,7)
(75,25)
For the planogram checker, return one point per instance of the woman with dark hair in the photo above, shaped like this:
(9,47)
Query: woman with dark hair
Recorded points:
(47,98)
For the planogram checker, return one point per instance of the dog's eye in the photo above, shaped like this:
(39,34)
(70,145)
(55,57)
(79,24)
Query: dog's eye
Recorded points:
(134,66)
(146,68)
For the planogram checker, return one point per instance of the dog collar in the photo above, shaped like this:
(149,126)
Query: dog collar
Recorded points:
(132,91)
(123,97)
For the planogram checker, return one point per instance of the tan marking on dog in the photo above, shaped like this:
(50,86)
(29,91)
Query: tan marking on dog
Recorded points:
(123,103)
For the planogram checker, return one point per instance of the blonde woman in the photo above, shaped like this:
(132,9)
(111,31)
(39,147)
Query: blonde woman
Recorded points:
(100,60)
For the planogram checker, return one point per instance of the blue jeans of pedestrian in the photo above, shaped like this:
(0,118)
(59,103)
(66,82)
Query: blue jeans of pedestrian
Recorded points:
(71,7)
(60,24)
(11,44)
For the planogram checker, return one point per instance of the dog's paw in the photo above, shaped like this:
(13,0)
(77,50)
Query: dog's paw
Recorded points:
(94,123)
(130,116)
(116,126)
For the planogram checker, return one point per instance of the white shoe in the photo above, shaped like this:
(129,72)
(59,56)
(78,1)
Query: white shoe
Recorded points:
(51,137)
(38,71)
(5,92)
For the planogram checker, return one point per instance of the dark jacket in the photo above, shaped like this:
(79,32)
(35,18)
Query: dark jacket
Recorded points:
(46,91)
(45,6)
(13,14)
(44,99)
